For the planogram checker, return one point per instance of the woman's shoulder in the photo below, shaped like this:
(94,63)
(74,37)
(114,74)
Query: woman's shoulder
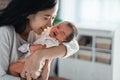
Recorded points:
(6,31)
(6,28)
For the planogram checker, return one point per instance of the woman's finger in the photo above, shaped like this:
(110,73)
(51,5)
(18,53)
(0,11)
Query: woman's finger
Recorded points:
(28,76)
(23,74)
(31,66)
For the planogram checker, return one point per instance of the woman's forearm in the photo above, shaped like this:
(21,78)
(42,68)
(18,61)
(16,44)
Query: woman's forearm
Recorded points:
(53,52)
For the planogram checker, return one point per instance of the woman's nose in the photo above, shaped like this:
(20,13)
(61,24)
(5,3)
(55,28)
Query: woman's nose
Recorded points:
(50,22)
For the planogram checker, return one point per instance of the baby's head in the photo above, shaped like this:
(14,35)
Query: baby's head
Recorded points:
(64,31)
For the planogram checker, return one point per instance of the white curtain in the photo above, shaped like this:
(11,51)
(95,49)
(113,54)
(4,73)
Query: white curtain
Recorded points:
(90,11)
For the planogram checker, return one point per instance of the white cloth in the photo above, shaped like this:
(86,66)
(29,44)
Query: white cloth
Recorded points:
(72,47)
(8,51)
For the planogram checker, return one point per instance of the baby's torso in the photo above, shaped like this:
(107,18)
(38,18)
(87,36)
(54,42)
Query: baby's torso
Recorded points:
(45,39)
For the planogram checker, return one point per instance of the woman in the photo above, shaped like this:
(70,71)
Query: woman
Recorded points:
(16,23)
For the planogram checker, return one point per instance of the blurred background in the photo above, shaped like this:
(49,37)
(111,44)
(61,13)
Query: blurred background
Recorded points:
(98,23)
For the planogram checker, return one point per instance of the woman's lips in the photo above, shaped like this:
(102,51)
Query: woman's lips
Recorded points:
(40,31)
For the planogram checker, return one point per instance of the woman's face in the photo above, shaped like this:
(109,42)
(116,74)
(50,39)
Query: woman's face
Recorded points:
(42,19)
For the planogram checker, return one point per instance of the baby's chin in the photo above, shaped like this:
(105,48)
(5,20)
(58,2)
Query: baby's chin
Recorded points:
(51,34)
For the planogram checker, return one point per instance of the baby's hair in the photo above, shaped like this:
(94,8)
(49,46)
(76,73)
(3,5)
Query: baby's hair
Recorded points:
(74,31)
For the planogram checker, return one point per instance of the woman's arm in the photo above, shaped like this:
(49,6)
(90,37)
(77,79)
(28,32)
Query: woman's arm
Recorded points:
(6,38)
(47,53)
(39,55)
(63,50)
(52,52)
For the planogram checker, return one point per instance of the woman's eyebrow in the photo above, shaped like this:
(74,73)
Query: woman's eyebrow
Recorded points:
(47,15)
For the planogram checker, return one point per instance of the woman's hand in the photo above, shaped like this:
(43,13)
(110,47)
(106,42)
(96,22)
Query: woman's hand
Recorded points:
(32,64)
(16,68)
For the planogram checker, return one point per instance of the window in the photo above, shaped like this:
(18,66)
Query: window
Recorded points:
(90,11)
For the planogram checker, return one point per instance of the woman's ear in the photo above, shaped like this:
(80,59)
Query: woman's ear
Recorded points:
(30,16)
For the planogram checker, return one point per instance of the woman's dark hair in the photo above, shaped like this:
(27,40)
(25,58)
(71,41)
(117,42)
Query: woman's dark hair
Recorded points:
(17,11)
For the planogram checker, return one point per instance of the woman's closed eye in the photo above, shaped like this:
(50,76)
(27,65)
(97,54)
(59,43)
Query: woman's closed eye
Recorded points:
(46,18)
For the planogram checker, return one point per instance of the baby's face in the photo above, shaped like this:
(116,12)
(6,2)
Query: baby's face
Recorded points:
(61,31)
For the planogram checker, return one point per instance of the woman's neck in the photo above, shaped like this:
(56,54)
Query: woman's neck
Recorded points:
(25,34)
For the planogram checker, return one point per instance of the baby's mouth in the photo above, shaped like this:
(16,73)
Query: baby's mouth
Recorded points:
(53,34)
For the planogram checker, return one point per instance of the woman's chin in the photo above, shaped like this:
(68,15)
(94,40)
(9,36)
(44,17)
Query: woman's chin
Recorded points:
(39,33)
